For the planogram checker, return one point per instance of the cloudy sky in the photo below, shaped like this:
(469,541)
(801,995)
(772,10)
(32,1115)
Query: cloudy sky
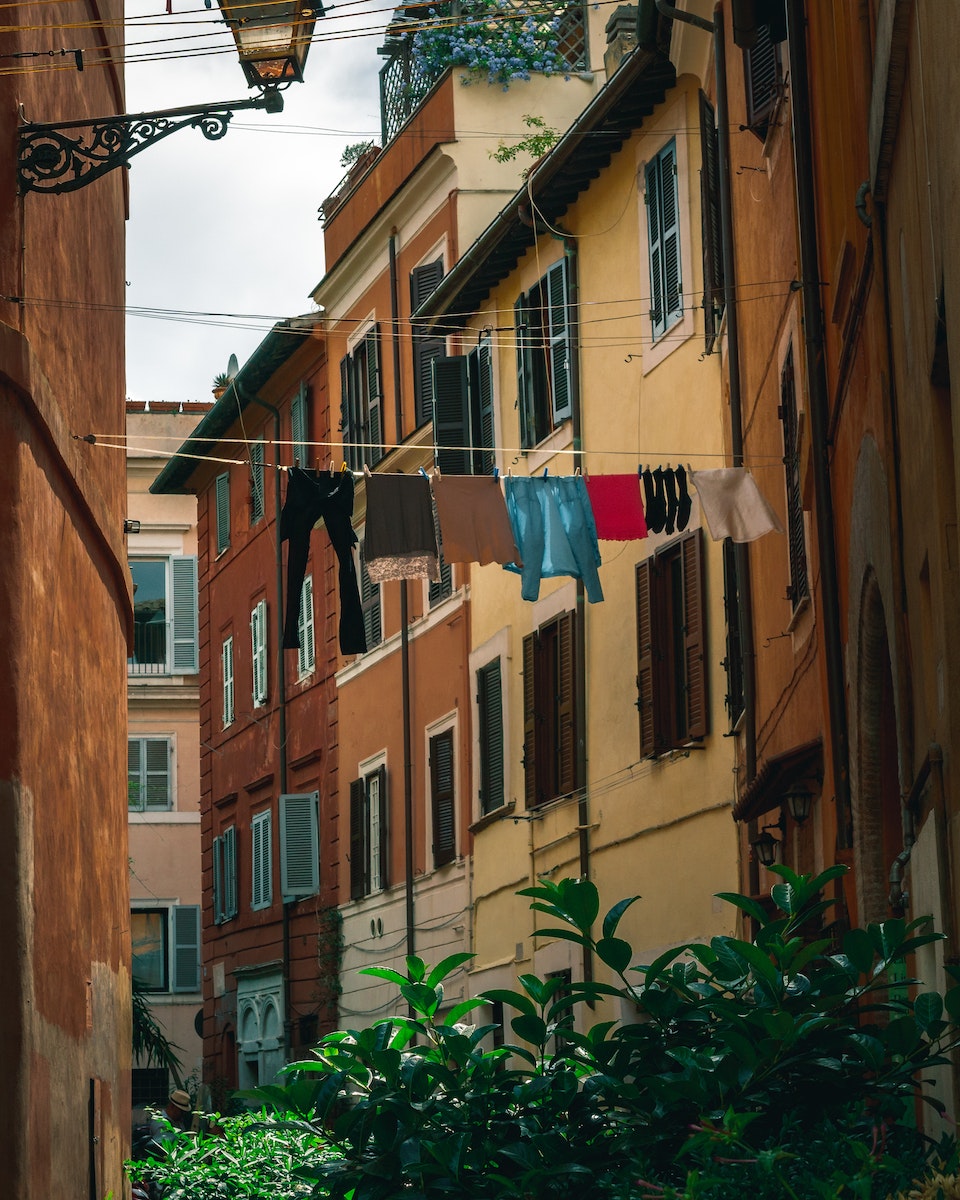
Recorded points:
(223,236)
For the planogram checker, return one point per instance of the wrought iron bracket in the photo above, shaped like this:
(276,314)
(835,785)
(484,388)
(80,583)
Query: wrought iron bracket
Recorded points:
(66,156)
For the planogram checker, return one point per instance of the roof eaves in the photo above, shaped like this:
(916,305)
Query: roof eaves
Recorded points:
(279,345)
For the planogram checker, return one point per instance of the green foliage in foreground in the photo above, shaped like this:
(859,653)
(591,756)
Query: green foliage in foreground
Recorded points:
(774,1068)
(248,1156)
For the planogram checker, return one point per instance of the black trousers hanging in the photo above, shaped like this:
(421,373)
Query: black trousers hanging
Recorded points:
(312,496)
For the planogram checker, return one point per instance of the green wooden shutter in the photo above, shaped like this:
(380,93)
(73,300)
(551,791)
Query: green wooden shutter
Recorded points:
(299,426)
(695,658)
(646,670)
(229,702)
(383,814)
(258,638)
(186,633)
(218,907)
(663,216)
(223,511)
(426,347)
(557,293)
(451,415)
(370,605)
(490,714)
(567,704)
(186,948)
(481,407)
(442,791)
(358,847)
(799,586)
(374,427)
(256,481)
(528,425)
(155,791)
(307,654)
(299,844)
(348,427)
(762,74)
(733,663)
(135,796)
(710,219)
(530,648)
(230,894)
(261,842)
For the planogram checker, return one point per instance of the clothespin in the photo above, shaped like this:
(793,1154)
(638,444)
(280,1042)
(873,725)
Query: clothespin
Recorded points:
(496,472)
(545,472)
(331,466)
(343,468)
(423,473)
(366,469)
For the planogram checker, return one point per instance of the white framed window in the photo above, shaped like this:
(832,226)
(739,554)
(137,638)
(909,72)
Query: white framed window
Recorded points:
(225,876)
(149,774)
(229,704)
(307,654)
(261,840)
(165,617)
(258,637)
(368,832)
(165,944)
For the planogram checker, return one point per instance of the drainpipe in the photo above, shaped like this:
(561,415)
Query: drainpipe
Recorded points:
(252,398)
(580,613)
(395,323)
(741,549)
(804,167)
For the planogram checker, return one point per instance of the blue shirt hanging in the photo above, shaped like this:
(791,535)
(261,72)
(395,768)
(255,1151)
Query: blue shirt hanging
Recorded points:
(555,532)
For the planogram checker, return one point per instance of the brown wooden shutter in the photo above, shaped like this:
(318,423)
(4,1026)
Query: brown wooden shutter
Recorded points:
(695,664)
(646,674)
(384,829)
(530,719)
(567,704)
(490,711)
(358,864)
(442,794)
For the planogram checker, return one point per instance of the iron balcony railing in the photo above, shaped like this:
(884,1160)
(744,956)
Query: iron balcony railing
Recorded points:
(151,641)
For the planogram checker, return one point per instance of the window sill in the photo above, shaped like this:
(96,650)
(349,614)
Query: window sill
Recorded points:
(541,454)
(492,817)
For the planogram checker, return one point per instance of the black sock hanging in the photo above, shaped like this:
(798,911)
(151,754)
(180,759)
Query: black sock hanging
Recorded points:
(670,488)
(684,503)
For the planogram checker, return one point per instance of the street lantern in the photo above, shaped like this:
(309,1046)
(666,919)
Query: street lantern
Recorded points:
(273,37)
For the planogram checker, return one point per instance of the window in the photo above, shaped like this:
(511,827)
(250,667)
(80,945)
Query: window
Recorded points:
(261,860)
(361,400)
(300,426)
(443,798)
(166,948)
(426,347)
(307,654)
(763,79)
(258,637)
(463,418)
(229,705)
(662,199)
(799,587)
(150,1087)
(223,511)
(710,216)
(225,876)
(370,605)
(671,660)
(543,356)
(256,481)
(733,663)
(299,844)
(490,724)
(368,833)
(165,621)
(551,698)
(148,775)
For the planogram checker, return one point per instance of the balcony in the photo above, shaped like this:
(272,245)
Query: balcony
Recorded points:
(150,642)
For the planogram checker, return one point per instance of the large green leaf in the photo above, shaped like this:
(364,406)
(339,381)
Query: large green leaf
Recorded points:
(612,919)
(615,952)
(446,966)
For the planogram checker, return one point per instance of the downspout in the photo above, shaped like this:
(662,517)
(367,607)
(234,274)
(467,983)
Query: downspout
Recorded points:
(252,398)
(404,619)
(731,314)
(569,243)
(804,167)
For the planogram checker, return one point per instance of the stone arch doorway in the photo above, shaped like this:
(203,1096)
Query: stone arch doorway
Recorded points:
(877,819)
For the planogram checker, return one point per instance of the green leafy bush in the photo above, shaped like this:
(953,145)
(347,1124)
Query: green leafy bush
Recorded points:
(740,1049)
(246,1156)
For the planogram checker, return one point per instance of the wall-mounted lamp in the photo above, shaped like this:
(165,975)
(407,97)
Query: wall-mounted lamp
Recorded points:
(765,847)
(131,525)
(272,41)
(798,800)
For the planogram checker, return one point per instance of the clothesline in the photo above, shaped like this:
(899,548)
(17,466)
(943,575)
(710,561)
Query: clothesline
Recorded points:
(119,442)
